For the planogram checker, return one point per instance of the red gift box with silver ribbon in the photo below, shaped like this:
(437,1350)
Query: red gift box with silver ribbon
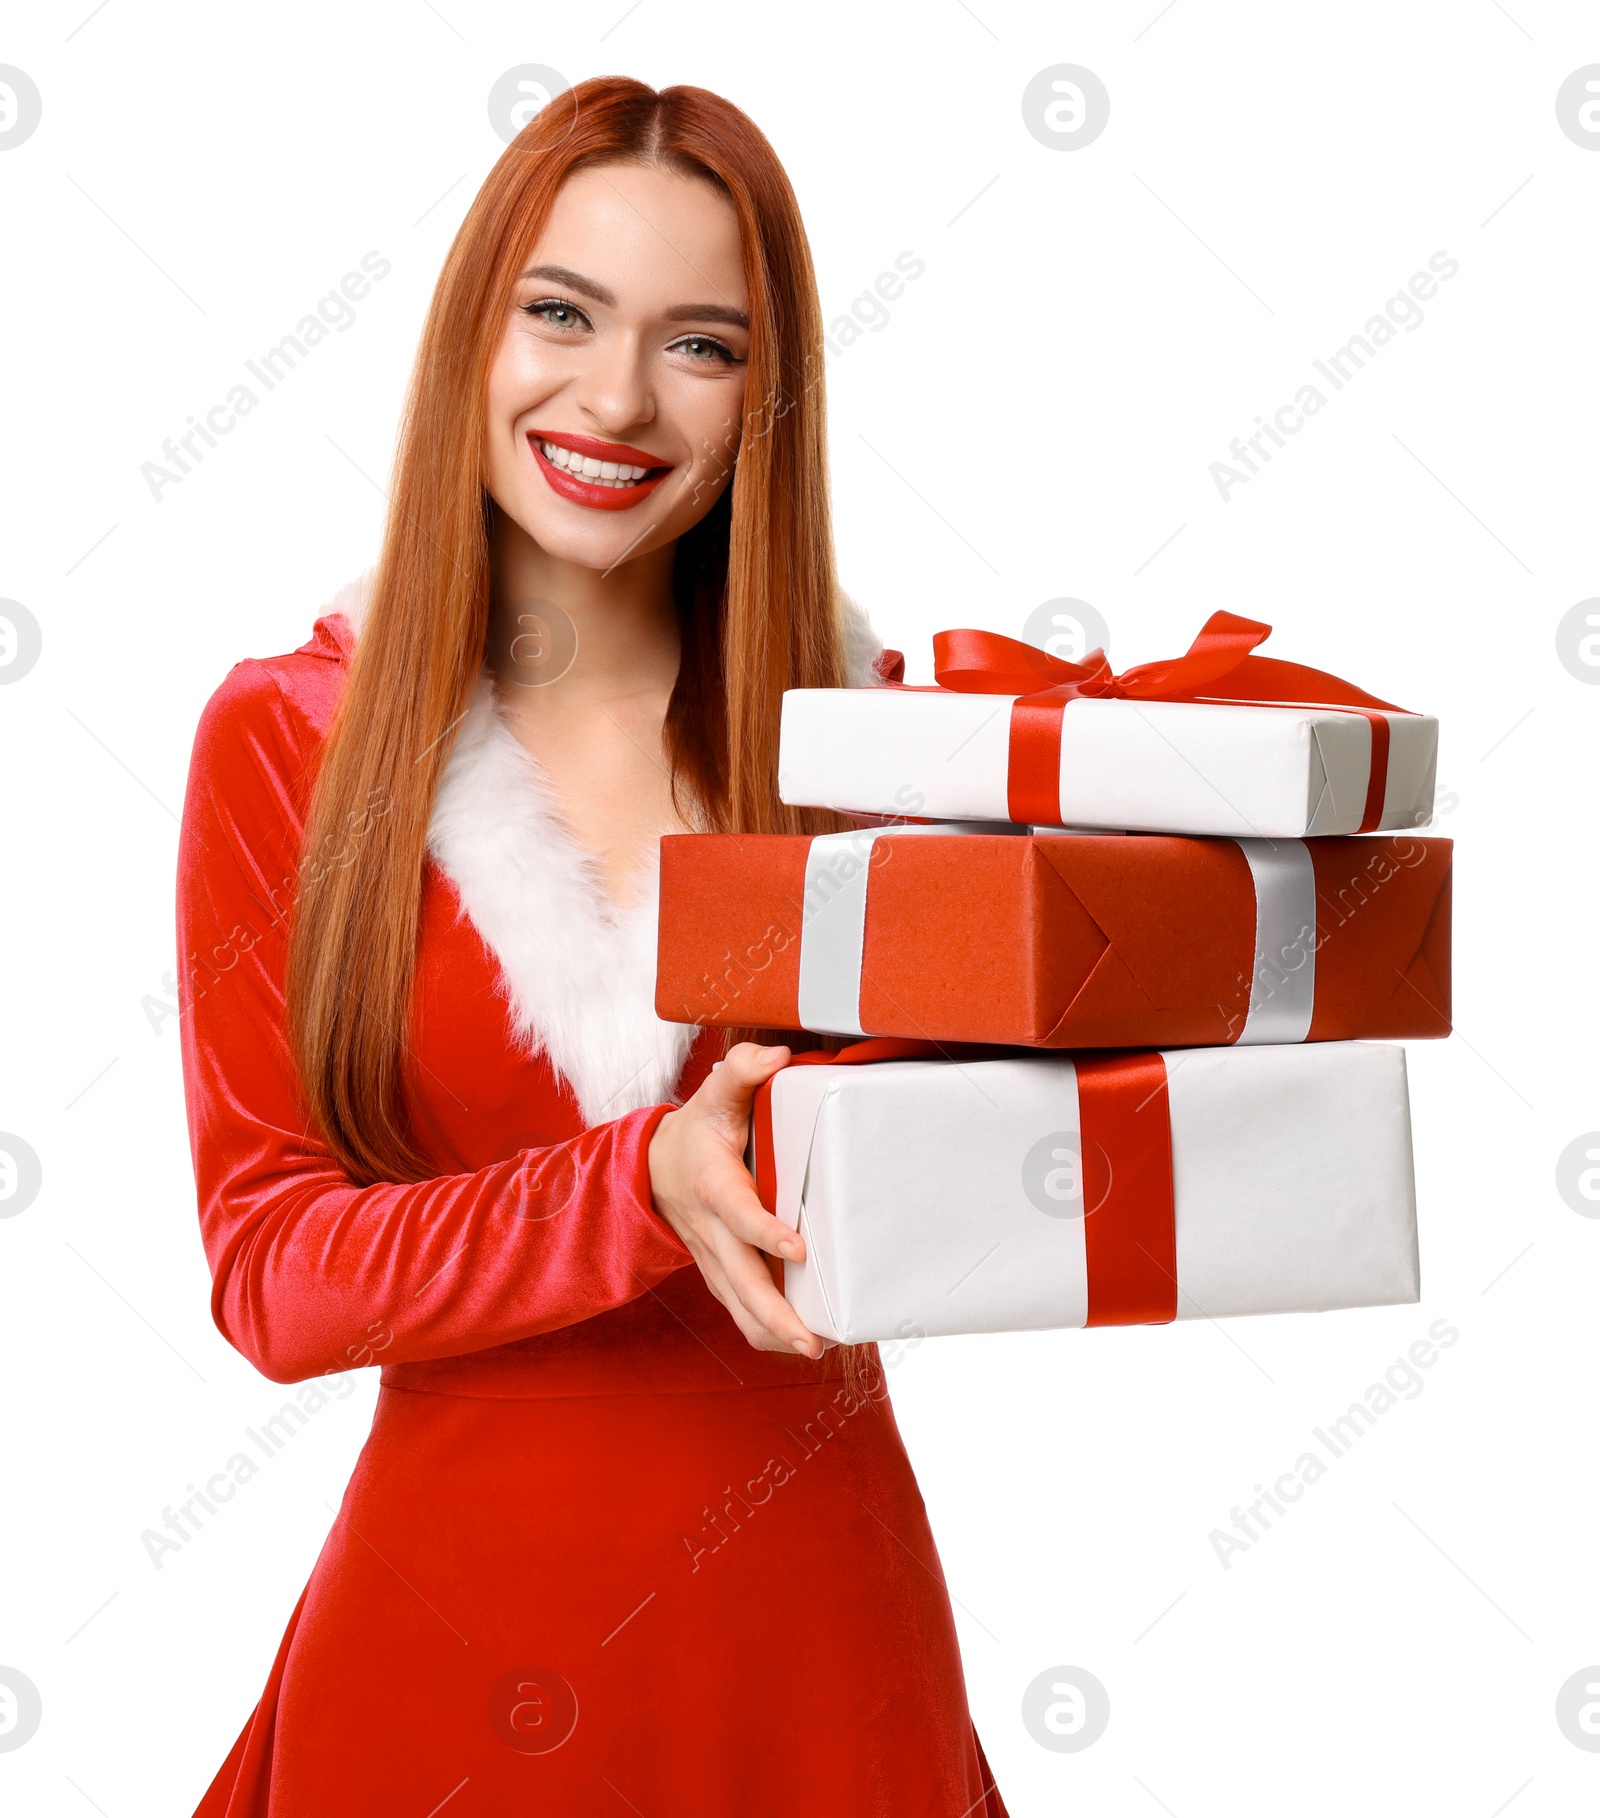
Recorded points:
(962,934)
(1040,1191)
(1218,741)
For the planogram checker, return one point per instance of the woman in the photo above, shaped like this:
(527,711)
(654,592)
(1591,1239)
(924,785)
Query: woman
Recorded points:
(622,1536)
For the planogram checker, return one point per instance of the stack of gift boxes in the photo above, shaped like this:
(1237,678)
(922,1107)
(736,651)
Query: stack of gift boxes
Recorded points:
(1123,959)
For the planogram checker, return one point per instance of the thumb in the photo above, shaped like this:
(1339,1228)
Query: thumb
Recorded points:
(732,1082)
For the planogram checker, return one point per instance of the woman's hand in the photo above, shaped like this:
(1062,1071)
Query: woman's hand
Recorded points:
(703,1190)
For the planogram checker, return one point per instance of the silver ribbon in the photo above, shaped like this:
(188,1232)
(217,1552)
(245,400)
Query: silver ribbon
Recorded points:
(1283,970)
(833,929)
(833,920)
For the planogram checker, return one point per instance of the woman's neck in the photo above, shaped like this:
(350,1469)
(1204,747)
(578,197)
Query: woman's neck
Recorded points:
(563,638)
(584,666)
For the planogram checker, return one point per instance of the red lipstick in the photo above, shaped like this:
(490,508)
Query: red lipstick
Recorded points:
(584,492)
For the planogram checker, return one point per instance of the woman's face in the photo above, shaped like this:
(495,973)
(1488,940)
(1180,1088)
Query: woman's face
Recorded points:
(617,395)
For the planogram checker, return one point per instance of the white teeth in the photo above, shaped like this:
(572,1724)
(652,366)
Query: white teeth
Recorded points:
(596,473)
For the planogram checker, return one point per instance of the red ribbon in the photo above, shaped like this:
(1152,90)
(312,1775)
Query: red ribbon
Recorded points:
(1218,668)
(1130,1232)
(1130,1226)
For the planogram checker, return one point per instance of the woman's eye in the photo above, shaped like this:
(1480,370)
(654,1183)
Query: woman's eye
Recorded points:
(705,349)
(556,313)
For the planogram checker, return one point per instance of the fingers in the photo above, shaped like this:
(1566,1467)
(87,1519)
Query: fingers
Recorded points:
(759,1310)
(738,1232)
(702,1188)
(727,1192)
(727,1090)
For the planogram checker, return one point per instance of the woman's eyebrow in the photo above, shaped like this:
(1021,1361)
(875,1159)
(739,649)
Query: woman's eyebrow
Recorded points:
(706,312)
(573,280)
(597,293)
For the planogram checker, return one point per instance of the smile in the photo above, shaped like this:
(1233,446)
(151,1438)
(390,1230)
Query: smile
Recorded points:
(605,476)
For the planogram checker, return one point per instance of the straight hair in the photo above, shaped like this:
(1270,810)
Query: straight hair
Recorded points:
(754,584)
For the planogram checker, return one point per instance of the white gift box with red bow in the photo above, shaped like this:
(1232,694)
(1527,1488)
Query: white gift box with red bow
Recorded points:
(1136,766)
(1218,740)
(939,1196)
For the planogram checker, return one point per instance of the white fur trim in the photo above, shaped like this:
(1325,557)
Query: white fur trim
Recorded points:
(578,974)
(351,601)
(862,645)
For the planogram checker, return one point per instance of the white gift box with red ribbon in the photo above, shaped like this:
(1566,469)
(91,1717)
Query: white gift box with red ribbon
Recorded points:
(1142,766)
(1218,740)
(939,1196)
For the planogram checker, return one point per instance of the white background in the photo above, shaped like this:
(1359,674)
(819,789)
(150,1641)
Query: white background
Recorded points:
(1036,419)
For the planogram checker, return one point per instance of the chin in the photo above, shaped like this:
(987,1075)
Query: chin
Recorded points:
(607,540)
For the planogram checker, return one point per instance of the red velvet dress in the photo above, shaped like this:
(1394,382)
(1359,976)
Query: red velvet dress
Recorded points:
(598,1555)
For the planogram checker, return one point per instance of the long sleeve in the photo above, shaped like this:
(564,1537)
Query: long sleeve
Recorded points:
(312,1272)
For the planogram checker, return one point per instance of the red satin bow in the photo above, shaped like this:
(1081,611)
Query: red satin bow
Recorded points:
(1218,668)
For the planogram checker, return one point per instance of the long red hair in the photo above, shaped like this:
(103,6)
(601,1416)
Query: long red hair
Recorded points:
(754,583)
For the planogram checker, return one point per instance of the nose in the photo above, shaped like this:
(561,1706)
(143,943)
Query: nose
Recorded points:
(615,390)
